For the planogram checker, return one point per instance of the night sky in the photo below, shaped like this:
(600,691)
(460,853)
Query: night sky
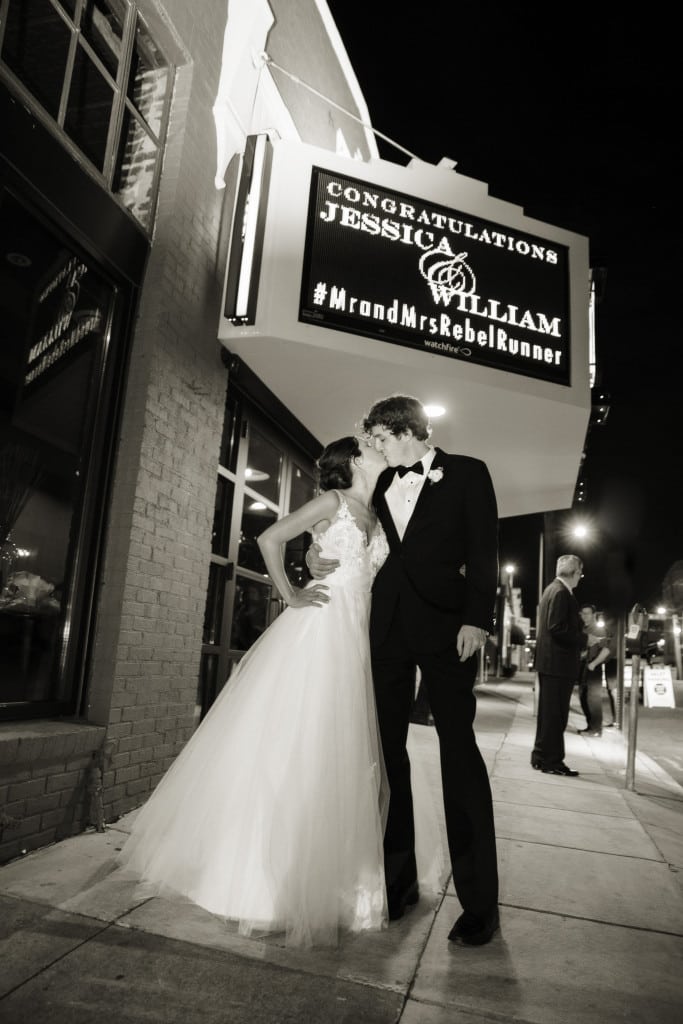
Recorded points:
(569,111)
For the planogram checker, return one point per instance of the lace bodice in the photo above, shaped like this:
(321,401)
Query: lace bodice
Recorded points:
(360,561)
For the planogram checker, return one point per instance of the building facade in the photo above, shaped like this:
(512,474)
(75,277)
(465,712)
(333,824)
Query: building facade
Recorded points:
(148,431)
(125,519)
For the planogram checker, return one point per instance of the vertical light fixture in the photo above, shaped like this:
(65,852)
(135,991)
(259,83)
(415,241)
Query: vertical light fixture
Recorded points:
(246,246)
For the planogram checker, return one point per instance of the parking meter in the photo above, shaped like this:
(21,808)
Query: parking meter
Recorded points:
(636,646)
(636,634)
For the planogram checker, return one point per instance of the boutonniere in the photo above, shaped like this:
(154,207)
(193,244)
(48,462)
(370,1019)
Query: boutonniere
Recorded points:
(434,475)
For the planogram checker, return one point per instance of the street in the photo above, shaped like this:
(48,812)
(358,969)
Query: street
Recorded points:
(659,734)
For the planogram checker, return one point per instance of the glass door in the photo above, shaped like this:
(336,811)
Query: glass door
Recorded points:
(261,478)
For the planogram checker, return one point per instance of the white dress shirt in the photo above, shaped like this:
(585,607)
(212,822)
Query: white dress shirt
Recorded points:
(403,492)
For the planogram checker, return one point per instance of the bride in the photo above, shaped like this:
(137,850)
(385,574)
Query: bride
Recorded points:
(273,814)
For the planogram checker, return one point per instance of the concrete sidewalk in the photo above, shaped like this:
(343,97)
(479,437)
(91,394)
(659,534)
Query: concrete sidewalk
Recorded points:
(591,916)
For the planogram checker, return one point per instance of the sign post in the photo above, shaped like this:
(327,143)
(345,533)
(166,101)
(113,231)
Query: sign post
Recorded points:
(636,644)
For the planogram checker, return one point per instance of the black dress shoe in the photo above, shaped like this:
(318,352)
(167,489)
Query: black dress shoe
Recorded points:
(559,769)
(535,763)
(589,732)
(398,901)
(473,930)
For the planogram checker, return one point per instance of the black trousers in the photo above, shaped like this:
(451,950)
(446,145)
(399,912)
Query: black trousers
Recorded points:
(467,797)
(590,698)
(552,717)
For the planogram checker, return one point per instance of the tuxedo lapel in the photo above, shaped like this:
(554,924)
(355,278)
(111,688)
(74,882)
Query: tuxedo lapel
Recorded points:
(383,510)
(427,493)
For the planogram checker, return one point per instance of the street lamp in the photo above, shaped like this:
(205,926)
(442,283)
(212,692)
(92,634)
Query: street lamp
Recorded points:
(510,570)
(573,530)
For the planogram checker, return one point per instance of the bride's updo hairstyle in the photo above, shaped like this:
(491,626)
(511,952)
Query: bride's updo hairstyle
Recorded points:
(334,465)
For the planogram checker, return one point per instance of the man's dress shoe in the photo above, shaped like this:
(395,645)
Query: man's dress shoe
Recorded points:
(398,901)
(559,769)
(473,930)
(535,763)
(589,732)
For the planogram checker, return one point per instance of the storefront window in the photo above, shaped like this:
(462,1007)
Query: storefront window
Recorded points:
(102,24)
(220,535)
(148,79)
(88,112)
(261,477)
(213,612)
(264,466)
(252,612)
(56,315)
(96,70)
(136,165)
(35,47)
(303,489)
(256,517)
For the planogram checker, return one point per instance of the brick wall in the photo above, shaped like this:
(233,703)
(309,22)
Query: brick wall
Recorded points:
(47,776)
(144,676)
(142,679)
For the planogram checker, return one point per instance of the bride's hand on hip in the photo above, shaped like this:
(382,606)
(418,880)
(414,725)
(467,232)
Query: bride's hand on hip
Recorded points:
(314,596)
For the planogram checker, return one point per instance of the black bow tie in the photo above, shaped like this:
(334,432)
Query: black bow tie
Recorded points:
(417,467)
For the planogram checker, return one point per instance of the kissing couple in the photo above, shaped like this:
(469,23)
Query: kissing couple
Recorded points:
(291,807)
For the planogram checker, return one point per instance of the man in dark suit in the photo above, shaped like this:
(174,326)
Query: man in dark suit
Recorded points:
(432,608)
(559,641)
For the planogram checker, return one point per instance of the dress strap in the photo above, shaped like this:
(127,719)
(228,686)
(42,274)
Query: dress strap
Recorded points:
(343,503)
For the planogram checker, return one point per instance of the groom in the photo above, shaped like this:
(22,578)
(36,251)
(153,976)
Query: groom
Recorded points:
(432,606)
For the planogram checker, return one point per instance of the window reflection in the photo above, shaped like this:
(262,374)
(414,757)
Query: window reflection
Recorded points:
(264,465)
(35,46)
(213,612)
(220,536)
(255,518)
(303,489)
(136,164)
(120,130)
(54,318)
(231,434)
(102,25)
(254,599)
(207,685)
(148,82)
(89,109)
(251,613)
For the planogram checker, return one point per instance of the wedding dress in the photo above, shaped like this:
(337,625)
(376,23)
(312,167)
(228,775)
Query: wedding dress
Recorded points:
(273,813)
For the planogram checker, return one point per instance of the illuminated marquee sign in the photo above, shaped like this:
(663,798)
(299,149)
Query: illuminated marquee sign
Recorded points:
(393,267)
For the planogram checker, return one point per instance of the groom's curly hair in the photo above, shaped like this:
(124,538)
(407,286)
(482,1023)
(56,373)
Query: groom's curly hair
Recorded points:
(334,465)
(397,414)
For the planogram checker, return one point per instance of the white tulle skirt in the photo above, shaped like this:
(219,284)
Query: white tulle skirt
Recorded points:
(273,814)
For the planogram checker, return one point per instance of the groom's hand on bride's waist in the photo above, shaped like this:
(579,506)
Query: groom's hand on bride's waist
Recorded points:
(318,566)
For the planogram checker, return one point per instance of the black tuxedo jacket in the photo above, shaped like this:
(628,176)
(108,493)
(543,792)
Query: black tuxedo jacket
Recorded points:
(444,572)
(559,633)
